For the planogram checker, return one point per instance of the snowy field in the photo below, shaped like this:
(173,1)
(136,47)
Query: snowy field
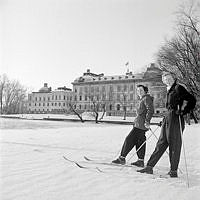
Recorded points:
(32,165)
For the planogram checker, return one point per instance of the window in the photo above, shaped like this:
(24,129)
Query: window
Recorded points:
(110,107)
(125,87)
(118,88)
(56,97)
(80,107)
(63,104)
(86,89)
(43,98)
(39,104)
(97,89)
(52,97)
(118,97)
(47,104)
(43,104)
(35,98)
(80,98)
(35,104)
(118,106)
(29,104)
(131,96)
(48,98)
(131,88)
(85,97)
(64,97)
(40,98)
(59,104)
(92,89)
(59,97)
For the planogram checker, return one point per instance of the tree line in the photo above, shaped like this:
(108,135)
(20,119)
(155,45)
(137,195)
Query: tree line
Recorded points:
(13,96)
(181,53)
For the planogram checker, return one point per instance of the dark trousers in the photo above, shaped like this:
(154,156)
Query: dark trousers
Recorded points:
(135,138)
(170,137)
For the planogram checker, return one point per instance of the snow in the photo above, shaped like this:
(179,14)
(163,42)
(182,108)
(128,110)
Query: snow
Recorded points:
(32,166)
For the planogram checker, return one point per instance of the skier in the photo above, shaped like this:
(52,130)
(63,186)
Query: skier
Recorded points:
(179,103)
(137,136)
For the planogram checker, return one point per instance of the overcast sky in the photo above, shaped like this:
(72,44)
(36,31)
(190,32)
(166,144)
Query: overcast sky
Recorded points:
(55,41)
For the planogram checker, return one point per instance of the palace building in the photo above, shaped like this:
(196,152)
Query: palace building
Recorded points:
(113,94)
(48,101)
(118,92)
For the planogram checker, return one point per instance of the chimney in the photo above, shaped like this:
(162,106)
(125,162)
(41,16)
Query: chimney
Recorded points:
(88,70)
(45,85)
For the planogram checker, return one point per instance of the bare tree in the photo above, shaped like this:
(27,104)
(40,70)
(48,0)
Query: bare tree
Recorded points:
(95,106)
(13,96)
(74,108)
(123,100)
(180,54)
(103,106)
(3,83)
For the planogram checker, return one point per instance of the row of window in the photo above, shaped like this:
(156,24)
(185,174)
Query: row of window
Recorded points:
(88,107)
(93,89)
(123,97)
(59,97)
(49,104)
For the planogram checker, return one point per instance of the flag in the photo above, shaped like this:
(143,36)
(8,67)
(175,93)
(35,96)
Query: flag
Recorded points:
(127,63)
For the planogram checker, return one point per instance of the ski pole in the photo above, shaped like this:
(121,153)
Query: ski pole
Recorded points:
(140,146)
(181,132)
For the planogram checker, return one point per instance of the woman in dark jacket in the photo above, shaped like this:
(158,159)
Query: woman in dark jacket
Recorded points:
(179,103)
(137,136)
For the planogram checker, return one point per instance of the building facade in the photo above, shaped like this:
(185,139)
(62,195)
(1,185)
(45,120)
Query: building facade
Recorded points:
(113,94)
(48,101)
(118,93)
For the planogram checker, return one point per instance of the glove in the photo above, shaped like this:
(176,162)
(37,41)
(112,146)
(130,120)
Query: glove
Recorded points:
(179,112)
(160,123)
(147,125)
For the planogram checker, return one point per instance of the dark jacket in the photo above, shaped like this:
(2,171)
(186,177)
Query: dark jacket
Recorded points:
(144,111)
(176,97)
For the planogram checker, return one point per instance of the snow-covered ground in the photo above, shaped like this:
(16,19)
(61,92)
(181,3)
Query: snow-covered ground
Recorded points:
(32,166)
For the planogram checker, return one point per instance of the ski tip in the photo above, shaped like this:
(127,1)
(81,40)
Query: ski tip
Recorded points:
(67,159)
(80,166)
(86,158)
(99,169)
